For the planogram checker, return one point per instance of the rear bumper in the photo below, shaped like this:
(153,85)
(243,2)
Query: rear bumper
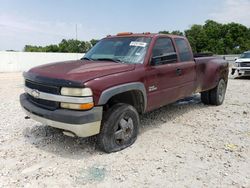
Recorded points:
(81,123)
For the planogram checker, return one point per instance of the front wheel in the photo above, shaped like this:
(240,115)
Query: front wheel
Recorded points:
(119,128)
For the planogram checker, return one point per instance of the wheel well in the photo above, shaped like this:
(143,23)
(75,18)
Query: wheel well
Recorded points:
(134,98)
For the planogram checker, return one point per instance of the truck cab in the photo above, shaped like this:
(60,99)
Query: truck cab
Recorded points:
(121,77)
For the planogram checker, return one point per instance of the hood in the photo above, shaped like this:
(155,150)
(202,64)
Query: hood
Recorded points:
(242,60)
(80,70)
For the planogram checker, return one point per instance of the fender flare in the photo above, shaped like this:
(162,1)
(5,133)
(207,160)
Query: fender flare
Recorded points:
(110,92)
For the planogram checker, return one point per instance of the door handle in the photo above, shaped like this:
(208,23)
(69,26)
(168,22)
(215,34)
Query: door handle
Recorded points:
(178,72)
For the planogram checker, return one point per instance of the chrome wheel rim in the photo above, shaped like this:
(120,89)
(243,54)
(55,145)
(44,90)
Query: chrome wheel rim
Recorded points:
(124,130)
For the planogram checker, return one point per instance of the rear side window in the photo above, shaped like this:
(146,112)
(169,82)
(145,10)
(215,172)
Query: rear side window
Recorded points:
(163,46)
(184,50)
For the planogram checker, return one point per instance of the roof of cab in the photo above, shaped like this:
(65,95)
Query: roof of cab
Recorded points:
(145,34)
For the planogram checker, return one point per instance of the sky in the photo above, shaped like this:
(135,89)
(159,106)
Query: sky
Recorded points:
(43,22)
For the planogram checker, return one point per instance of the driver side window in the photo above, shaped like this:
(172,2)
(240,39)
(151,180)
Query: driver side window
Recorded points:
(163,46)
(163,52)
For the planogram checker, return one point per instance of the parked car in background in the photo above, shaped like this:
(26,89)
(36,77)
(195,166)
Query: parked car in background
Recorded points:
(241,67)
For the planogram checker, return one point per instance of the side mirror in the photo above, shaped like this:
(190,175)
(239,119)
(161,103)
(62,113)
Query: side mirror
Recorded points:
(236,58)
(164,59)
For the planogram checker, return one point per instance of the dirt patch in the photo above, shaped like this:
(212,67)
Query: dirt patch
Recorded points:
(185,144)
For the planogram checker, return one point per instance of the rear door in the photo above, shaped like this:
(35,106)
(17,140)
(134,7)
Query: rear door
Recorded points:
(185,68)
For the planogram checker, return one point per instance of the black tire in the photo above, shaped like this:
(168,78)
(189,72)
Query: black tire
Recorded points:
(233,71)
(217,95)
(205,97)
(119,128)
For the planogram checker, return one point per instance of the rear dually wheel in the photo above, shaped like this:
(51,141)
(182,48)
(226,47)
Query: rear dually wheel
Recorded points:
(216,95)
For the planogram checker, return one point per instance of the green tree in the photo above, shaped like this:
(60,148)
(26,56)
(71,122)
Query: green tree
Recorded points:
(63,46)
(51,48)
(164,32)
(177,32)
(213,32)
(237,38)
(73,46)
(197,38)
(219,38)
(94,41)
(30,48)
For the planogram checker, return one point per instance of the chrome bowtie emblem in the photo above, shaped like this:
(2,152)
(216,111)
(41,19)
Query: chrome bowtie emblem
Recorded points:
(35,93)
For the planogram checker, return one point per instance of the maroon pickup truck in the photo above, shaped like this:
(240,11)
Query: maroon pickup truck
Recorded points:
(121,77)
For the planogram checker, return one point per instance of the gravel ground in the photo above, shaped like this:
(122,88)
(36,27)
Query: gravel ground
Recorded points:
(186,144)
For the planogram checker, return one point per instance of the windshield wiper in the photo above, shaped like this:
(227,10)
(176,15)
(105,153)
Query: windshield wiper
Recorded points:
(86,58)
(110,59)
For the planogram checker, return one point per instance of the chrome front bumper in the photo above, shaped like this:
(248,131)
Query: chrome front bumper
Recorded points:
(241,71)
(80,130)
(80,123)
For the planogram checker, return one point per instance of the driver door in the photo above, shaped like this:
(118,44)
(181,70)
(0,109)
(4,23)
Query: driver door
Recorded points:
(162,75)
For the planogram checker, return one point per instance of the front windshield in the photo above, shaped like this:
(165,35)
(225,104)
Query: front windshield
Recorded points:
(131,50)
(245,55)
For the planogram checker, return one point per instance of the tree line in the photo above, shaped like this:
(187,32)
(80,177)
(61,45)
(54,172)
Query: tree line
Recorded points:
(212,37)
(65,46)
(217,38)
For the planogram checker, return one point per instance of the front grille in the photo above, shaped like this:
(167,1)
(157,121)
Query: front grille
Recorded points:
(42,87)
(50,105)
(245,64)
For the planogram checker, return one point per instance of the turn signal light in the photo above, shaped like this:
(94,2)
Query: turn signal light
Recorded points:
(86,106)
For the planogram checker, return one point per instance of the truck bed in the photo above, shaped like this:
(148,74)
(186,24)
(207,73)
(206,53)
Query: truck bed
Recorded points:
(206,69)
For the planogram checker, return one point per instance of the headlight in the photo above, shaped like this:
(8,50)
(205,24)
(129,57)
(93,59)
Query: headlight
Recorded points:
(237,64)
(82,92)
(86,106)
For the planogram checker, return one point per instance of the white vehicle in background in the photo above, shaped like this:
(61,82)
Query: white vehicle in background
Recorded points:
(241,66)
